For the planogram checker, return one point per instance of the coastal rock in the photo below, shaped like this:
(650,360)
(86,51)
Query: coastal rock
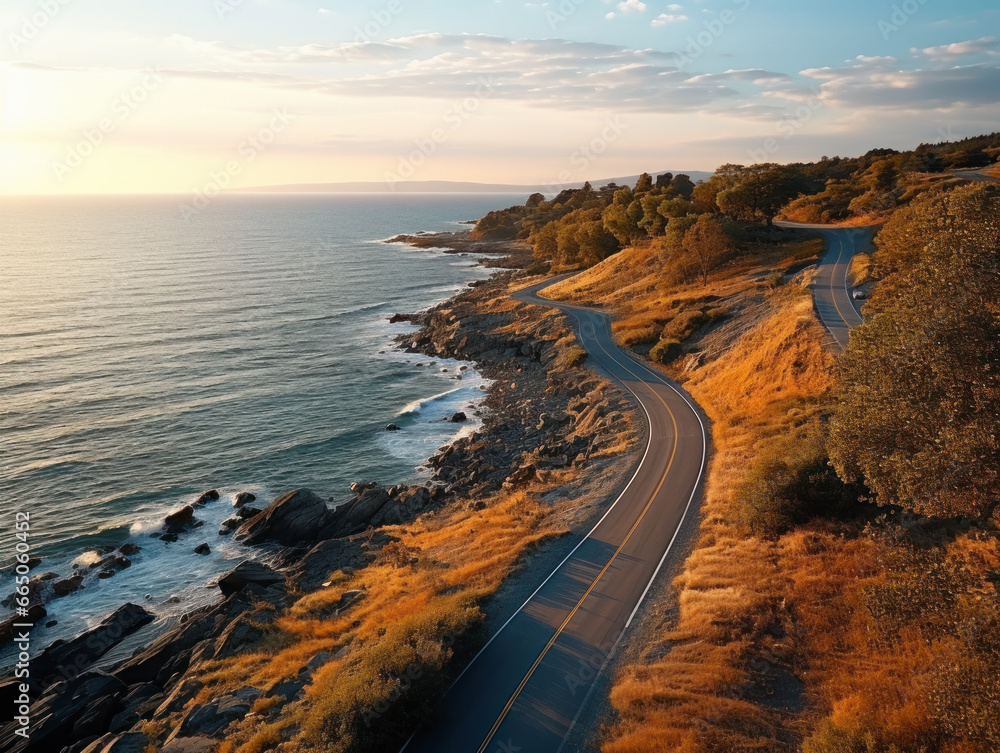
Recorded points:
(249,572)
(352,553)
(190,745)
(408,318)
(212,718)
(129,550)
(359,487)
(55,715)
(459,418)
(129,715)
(203,549)
(179,520)
(130,742)
(67,586)
(204,499)
(357,515)
(244,498)
(240,635)
(245,513)
(392,427)
(87,648)
(293,518)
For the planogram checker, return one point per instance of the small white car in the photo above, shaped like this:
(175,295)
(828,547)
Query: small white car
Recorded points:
(859,295)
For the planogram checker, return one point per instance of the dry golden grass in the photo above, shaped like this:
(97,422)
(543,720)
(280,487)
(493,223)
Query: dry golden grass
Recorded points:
(442,566)
(860,270)
(773,380)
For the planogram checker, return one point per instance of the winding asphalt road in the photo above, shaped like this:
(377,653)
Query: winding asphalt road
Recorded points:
(526,688)
(831,290)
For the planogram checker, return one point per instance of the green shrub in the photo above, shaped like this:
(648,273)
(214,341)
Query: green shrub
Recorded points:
(666,351)
(392,688)
(790,482)
(715,316)
(684,325)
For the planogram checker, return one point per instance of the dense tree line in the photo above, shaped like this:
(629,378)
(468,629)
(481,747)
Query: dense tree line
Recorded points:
(920,382)
(696,225)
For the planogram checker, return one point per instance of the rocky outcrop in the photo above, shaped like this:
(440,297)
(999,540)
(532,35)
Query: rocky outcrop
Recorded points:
(179,520)
(204,499)
(292,519)
(249,572)
(244,498)
(79,654)
(310,570)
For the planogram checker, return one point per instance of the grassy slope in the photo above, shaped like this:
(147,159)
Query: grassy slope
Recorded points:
(420,603)
(775,638)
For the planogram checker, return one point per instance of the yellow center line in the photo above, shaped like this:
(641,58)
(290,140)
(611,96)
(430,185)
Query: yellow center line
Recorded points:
(593,585)
(833,286)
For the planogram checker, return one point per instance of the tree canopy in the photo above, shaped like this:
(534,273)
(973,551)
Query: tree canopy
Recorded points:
(920,382)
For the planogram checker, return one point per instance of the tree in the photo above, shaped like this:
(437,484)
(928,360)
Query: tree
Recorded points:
(622,217)
(919,385)
(683,185)
(707,244)
(644,184)
(546,243)
(758,192)
(704,197)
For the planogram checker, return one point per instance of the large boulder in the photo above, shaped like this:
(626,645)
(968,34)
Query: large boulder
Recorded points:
(244,498)
(315,567)
(179,520)
(209,496)
(249,572)
(357,515)
(293,518)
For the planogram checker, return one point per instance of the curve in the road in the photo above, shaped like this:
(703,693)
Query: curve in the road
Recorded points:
(835,306)
(525,690)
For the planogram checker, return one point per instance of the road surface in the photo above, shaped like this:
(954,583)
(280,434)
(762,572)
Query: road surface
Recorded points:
(525,689)
(831,289)
(976,175)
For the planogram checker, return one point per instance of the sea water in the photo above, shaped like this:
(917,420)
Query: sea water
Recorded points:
(146,358)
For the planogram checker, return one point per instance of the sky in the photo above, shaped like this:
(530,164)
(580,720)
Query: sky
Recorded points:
(133,96)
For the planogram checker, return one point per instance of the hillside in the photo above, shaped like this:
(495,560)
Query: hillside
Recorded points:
(812,614)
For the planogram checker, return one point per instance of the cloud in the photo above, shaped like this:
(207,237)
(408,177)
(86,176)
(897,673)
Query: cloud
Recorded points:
(665,19)
(632,6)
(880,83)
(753,75)
(982,46)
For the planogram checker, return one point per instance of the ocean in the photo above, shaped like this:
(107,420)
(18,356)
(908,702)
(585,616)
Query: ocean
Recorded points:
(145,358)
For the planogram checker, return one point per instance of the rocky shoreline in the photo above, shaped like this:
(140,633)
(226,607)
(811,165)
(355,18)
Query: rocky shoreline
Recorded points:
(544,419)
